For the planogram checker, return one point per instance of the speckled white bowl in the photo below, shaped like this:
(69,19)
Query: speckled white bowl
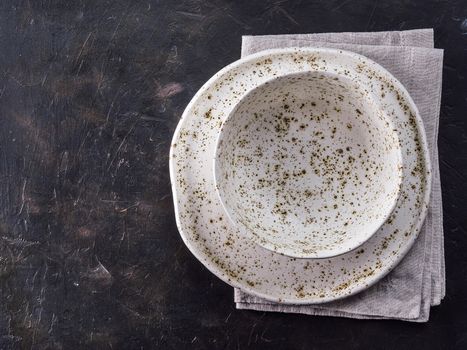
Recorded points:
(307,166)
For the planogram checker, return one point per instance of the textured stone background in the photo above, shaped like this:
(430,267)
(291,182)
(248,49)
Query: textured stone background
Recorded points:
(90,94)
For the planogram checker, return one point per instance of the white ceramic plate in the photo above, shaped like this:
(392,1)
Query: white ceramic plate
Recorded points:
(239,261)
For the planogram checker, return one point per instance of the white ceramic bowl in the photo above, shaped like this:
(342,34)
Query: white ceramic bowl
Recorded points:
(307,166)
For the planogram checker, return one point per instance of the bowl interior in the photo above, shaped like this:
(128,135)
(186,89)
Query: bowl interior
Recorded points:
(307,165)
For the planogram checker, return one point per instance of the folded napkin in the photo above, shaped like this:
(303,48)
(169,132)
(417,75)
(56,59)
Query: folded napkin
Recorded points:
(418,282)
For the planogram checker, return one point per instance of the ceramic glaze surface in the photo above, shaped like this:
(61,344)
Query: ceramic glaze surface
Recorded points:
(307,165)
(234,257)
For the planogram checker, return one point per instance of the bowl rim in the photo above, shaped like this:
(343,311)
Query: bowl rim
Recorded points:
(295,253)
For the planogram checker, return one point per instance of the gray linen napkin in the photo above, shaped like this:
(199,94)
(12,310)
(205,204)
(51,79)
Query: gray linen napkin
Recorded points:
(418,282)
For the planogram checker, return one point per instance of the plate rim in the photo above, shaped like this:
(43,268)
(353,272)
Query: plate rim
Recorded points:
(424,151)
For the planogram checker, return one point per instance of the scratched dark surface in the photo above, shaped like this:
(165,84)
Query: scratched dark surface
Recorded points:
(90,94)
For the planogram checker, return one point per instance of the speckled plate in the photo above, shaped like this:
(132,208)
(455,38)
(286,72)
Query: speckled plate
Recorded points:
(241,262)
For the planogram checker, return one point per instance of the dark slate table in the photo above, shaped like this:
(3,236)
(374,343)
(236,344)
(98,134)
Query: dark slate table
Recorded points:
(90,94)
